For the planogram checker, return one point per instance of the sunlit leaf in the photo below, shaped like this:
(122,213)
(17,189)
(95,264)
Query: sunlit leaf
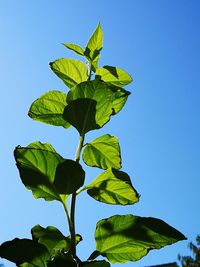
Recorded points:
(120,96)
(103,152)
(113,75)
(49,109)
(70,71)
(123,238)
(25,251)
(94,44)
(90,105)
(113,187)
(76,48)
(37,165)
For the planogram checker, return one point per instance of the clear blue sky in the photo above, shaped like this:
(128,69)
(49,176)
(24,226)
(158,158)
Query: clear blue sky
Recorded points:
(157,42)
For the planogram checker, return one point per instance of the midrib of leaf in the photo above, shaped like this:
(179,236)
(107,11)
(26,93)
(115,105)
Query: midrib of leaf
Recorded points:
(112,193)
(78,71)
(85,120)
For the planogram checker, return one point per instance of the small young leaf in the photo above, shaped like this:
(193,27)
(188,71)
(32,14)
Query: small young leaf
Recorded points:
(69,177)
(113,187)
(113,75)
(25,252)
(70,71)
(37,165)
(76,48)
(123,238)
(49,109)
(103,152)
(94,44)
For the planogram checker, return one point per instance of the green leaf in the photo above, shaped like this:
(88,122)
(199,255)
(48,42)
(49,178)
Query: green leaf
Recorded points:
(62,260)
(76,48)
(94,44)
(113,187)
(70,71)
(95,101)
(120,96)
(81,113)
(69,177)
(25,252)
(103,152)
(113,75)
(123,238)
(37,165)
(51,238)
(101,263)
(49,109)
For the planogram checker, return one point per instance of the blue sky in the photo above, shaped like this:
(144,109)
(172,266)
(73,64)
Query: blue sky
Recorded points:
(157,42)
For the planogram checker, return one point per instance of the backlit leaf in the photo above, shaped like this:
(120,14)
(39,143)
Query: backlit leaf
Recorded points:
(94,44)
(25,252)
(103,152)
(113,187)
(49,109)
(70,71)
(123,238)
(37,165)
(120,96)
(93,106)
(76,48)
(113,75)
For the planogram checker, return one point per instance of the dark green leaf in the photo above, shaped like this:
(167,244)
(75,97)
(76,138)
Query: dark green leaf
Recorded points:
(81,113)
(51,238)
(62,260)
(49,109)
(96,105)
(70,71)
(76,48)
(26,251)
(124,238)
(101,263)
(94,44)
(113,75)
(103,152)
(69,177)
(37,165)
(113,187)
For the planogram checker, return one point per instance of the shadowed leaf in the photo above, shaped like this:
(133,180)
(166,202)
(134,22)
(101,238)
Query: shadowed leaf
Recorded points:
(123,238)
(113,187)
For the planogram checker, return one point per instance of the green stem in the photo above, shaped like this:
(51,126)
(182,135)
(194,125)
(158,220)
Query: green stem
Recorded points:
(67,215)
(89,70)
(73,202)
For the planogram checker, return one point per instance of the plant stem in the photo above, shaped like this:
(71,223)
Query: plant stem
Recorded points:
(73,202)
